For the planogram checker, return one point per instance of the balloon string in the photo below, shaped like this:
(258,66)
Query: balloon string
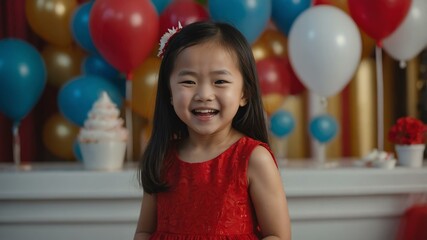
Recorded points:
(324,104)
(129,124)
(320,154)
(380,99)
(16,145)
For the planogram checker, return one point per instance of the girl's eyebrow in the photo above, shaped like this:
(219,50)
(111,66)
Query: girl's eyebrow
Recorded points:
(192,73)
(221,72)
(187,72)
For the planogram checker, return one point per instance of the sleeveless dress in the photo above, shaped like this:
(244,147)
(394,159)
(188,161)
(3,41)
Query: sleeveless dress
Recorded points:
(208,200)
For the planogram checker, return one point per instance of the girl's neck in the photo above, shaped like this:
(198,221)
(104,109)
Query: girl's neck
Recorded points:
(219,140)
(198,148)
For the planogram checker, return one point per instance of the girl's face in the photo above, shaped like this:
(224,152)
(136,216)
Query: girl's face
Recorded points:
(207,88)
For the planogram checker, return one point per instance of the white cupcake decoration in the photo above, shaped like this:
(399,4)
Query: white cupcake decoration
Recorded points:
(103,122)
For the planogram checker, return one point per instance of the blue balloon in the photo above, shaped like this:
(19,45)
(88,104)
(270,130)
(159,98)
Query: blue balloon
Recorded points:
(286,11)
(282,123)
(22,78)
(323,128)
(96,65)
(160,5)
(80,27)
(76,97)
(120,83)
(249,17)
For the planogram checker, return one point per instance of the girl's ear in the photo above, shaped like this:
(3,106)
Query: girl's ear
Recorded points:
(243,101)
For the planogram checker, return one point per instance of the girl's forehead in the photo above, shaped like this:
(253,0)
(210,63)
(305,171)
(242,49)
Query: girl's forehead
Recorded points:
(207,52)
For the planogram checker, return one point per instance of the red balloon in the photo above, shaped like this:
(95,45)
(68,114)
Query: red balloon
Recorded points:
(182,11)
(295,85)
(124,32)
(273,76)
(378,18)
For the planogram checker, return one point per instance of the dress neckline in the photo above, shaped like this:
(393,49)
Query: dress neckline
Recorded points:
(175,153)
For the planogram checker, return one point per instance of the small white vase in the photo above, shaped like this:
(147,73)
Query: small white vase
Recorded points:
(410,155)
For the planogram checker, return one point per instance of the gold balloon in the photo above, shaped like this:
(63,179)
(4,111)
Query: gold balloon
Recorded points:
(50,19)
(341,4)
(144,87)
(148,129)
(272,102)
(62,63)
(272,43)
(59,136)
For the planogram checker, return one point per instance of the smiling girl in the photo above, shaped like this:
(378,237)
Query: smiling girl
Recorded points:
(208,171)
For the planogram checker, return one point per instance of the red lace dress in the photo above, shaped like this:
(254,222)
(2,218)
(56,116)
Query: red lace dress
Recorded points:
(208,200)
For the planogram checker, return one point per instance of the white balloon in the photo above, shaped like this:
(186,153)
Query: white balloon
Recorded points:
(410,37)
(324,49)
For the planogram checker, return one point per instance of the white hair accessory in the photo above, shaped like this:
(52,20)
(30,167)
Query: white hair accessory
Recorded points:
(165,38)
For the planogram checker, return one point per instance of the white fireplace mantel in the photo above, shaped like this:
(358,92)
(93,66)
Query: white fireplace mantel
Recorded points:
(64,201)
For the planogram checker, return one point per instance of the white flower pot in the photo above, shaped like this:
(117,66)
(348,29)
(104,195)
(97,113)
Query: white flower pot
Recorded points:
(410,155)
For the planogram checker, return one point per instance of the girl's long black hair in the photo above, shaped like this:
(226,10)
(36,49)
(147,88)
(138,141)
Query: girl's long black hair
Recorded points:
(167,127)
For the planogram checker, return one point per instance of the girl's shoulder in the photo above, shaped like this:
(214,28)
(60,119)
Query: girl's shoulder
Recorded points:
(260,152)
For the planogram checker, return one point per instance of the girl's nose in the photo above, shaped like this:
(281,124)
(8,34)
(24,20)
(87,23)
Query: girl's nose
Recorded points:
(204,93)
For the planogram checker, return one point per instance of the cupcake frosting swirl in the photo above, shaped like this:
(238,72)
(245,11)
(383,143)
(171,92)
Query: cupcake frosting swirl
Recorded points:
(103,122)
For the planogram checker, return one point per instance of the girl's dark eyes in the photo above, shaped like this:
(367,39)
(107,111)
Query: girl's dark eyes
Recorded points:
(221,81)
(217,82)
(187,82)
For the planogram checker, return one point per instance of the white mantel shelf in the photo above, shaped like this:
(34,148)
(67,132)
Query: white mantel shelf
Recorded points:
(64,201)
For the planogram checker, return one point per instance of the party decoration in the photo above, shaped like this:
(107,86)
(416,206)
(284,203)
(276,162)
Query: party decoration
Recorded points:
(76,97)
(378,18)
(124,34)
(273,77)
(145,87)
(184,12)
(160,5)
(286,11)
(76,151)
(203,2)
(62,63)
(341,4)
(295,85)
(120,83)
(22,78)
(282,123)
(50,19)
(250,17)
(410,37)
(272,43)
(80,27)
(59,135)
(272,102)
(368,43)
(96,65)
(324,49)
(323,128)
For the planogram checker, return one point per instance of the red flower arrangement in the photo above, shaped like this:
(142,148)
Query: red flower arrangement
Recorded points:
(407,131)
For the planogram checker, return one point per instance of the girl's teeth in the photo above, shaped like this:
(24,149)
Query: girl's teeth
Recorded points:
(204,111)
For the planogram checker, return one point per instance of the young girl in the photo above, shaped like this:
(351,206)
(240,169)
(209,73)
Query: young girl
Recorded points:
(207,171)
